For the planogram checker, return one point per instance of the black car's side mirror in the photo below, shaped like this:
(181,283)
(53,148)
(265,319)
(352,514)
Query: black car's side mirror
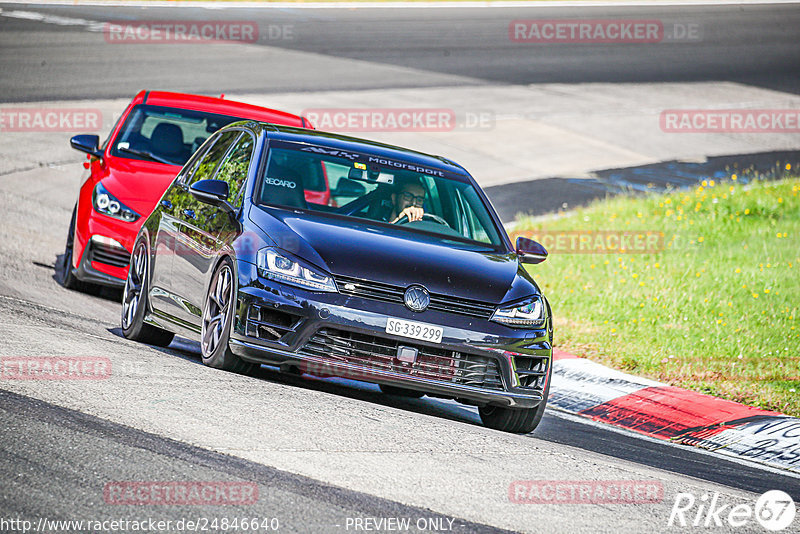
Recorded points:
(530,251)
(87,143)
(214,192)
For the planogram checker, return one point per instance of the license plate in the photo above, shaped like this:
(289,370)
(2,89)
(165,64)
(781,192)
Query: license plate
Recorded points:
(410,329)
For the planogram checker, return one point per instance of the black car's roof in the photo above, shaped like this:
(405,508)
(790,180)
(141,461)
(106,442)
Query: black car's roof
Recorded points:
(343,142)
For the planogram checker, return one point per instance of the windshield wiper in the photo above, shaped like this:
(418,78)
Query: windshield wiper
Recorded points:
(144,154)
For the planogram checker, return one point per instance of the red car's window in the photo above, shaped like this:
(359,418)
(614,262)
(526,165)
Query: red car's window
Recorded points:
(166,135)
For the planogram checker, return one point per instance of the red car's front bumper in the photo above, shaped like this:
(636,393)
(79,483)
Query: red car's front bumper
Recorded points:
(102,248)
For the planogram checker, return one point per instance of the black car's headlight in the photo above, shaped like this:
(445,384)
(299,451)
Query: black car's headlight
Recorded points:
(279,266)
(527,314)
(107,204)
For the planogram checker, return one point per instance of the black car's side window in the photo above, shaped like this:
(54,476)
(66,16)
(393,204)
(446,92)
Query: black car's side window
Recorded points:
(210,161)
(185,176)
(234,169)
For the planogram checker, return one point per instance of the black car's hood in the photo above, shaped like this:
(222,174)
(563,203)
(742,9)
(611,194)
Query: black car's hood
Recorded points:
(395,256)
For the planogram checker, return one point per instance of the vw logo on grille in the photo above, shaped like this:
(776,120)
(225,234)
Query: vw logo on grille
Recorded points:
(417,298)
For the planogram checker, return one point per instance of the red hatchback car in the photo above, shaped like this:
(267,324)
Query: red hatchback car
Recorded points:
(130,171)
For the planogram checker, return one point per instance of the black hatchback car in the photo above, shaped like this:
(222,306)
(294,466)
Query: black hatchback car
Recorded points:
(405,278)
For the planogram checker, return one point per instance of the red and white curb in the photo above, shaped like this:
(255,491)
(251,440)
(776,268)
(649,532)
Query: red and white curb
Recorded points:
(588,389)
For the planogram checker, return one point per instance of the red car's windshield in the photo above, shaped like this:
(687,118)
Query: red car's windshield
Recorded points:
(166,135)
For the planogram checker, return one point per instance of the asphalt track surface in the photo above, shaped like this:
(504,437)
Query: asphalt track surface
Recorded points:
(305,49)
(321,451)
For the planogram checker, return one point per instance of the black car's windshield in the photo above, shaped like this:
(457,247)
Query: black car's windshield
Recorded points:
(166,135)
(370,188)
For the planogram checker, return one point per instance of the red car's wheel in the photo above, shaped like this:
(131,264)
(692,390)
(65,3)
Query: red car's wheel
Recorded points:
(68,279)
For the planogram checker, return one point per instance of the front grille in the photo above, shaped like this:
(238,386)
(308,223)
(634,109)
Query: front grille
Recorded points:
(379,354)
(268,323)
(390,293)
(114,256)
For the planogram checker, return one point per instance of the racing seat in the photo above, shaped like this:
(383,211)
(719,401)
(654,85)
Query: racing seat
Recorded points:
(167,141)
(283,186)
(380,206)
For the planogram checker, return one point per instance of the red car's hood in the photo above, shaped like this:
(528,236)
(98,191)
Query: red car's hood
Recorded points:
(138,184)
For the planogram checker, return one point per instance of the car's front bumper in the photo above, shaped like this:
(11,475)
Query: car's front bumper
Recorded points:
(98,262)
(331,334)
(103,246)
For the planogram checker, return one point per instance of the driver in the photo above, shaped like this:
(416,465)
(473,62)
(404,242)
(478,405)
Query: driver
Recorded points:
(407,201)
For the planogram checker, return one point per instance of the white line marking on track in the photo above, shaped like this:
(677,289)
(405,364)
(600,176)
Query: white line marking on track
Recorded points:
(405,5)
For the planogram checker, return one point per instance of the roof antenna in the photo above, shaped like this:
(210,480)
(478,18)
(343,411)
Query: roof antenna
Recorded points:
(222,95)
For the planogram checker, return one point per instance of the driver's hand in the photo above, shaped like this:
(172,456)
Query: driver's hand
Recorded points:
(414,213)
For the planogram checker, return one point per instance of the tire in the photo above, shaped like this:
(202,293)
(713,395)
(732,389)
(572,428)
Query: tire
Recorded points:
(516,420)
(401,392)
(217,320)
(134,301)
(69,280)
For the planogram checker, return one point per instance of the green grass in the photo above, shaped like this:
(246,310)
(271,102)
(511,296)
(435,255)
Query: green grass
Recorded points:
(715,310)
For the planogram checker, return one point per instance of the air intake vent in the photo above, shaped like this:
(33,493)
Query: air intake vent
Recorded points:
(269,324)
(114,256)
(378,353)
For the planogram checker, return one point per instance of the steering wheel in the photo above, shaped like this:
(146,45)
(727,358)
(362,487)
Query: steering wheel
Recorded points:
(430,216)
